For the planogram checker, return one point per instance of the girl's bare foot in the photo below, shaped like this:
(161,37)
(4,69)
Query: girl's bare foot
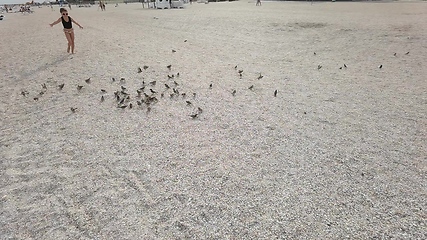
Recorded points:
(68,49)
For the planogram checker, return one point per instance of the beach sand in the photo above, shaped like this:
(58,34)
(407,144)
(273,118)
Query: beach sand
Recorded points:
(337,154)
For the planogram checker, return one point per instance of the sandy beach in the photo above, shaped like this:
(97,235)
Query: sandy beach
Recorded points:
(338,153)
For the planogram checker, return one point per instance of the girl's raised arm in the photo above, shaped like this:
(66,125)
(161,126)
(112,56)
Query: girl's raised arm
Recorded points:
(56,22)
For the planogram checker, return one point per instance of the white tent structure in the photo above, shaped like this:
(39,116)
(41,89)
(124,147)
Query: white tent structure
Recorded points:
(162,4)
(165,4)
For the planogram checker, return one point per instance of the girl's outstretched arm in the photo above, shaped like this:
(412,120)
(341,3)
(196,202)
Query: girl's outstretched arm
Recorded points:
(76,23)
(56,22)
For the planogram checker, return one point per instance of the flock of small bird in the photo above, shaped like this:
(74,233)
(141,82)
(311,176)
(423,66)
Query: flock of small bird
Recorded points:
(147,95)
(345,66)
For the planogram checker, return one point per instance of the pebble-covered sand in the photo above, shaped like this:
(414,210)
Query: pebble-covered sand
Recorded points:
(338,153)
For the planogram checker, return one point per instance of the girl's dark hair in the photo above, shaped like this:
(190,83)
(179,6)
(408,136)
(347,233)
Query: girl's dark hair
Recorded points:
(61,10)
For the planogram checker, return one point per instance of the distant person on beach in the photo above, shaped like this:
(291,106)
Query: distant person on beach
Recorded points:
(258,3)
(67,22)
(69,6)
(102,6)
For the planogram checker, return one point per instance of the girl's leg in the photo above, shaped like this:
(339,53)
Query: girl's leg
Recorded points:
(69,40)
(72,42)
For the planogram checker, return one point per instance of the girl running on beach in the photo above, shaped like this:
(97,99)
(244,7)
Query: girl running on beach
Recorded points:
(67,22)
